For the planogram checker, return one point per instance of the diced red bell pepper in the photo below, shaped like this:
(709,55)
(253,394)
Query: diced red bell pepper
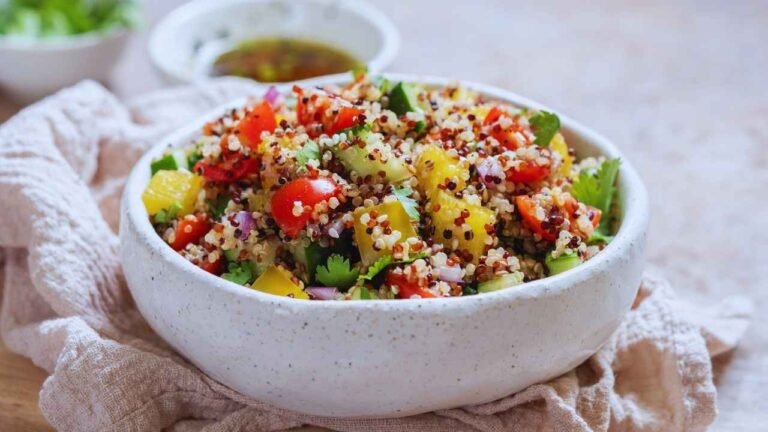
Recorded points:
(528,172)
(405,288)
(527,209)
(258,120)
(191,229)
(347,118)
(232,168)
(506,137)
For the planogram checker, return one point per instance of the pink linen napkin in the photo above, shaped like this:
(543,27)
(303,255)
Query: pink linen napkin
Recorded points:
(65,304)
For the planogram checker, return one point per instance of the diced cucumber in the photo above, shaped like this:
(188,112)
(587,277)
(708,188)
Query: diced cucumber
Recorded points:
(383,84)
(363,293)
(172,161)
(231,255)
(356,159)
(267,259)
(403,99)
(502,282)
(562,263)
(311,255)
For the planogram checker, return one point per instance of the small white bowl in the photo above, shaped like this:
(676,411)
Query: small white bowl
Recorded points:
(185,44)
(33,68)
(389,357)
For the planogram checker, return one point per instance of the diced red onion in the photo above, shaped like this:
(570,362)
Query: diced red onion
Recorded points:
(272,95)
(337,226)
(489,169)
(322,293)
(245,224)
(450,274)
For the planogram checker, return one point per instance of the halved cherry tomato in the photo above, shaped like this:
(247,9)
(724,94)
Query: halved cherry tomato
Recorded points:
(505,136)
(232,168)
(260,119)
(307,192)
(528,172)
(406,288)
(191,229)
(347,117)
(216,267)
(527,209)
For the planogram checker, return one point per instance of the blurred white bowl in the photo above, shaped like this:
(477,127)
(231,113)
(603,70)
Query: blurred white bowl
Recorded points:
(33,68)
(185,44)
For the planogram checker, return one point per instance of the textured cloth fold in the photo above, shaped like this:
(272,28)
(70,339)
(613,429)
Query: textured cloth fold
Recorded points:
(66,307)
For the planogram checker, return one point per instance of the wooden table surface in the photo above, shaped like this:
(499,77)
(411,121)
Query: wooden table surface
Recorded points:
(680,86)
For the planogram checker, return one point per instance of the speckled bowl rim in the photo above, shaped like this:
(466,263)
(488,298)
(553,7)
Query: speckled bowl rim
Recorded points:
(633,226)
(378,20)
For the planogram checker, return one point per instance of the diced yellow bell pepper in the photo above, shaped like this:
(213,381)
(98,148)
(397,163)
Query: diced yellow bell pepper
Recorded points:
(167,188)
(435,166)
(278,281)
(446,230)
(558,145)
(398,221)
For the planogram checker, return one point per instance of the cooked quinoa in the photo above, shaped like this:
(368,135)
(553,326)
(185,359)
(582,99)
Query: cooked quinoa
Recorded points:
(381,190)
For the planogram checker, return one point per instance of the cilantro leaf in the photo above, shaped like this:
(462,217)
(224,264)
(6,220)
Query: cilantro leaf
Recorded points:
(337,272)
(309,151)
(409,204)
(598,190)
(386,261)
(545,126)
(377,267)
(218,206)
(240,273)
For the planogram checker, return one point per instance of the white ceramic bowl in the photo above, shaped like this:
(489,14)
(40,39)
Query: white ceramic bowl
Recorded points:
(185,44)
(33,68)
(389,357)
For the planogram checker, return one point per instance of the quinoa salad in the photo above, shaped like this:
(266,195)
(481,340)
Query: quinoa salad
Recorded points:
(382,190)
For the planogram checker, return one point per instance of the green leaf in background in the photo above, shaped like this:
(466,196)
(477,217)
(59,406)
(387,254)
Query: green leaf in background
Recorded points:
(598,190)
(545,126)
(46,18)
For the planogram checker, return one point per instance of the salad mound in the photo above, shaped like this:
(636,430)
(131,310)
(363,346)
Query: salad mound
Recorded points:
(382,190)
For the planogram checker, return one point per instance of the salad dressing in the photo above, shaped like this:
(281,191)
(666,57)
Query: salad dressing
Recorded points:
(283,60)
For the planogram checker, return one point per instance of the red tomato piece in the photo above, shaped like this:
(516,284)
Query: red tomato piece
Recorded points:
(347,118)
(506,137)
(216,267)
(571,206)
(191,229)
(312,111)
(494,114)
(306,191)
(232,168)
(406,288)
(258,120)
(527,209)
(528,172)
